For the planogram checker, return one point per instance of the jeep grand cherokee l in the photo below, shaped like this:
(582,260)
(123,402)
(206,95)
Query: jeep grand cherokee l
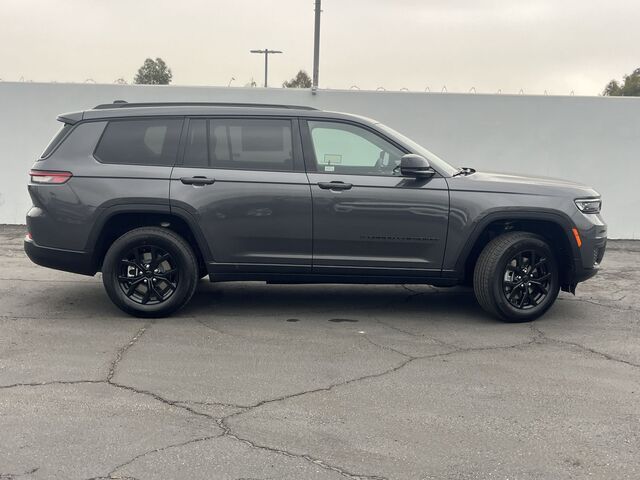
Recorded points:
(156,196)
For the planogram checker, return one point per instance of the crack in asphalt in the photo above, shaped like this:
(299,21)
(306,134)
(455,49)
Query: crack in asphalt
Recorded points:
(28,317)
(223,421)
(50,382)
(595,302)
(166,401)
(114,478)
(388,348)
(217,330)
(123,350)
(111,474)
(539,337)
(417,335)
(220,422)
(227,432)
(455,348)
(606,356)
(11,476)
(212,404)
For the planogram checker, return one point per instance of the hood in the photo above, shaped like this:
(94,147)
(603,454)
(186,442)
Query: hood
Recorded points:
(519,184)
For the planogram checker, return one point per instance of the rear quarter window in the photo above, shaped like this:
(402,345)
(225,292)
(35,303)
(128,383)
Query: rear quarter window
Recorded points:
(56,140)
(140,142)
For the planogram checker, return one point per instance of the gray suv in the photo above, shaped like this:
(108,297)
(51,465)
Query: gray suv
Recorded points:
(157,196)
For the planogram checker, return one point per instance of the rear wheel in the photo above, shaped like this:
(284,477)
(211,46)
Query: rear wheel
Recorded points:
(516,277)
(150,272)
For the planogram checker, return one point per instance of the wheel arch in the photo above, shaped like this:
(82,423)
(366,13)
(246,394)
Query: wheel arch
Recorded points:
(119,219)
(554,227)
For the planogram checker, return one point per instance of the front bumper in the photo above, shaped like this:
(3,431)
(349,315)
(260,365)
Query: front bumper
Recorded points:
(583,272)
(589,255)
(67,260)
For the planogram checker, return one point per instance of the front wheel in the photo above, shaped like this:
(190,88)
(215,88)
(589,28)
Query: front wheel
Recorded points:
(516,277)
(150,272)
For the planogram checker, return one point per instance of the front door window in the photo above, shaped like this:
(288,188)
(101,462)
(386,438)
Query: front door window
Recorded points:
(343,148)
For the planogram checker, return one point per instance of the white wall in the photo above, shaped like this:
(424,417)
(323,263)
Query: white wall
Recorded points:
(592,140)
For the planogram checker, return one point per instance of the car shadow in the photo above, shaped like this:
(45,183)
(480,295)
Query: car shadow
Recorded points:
(341,302)
(250,300)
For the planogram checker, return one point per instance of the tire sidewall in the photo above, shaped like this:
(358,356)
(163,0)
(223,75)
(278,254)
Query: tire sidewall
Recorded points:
(505,308)
(187,271)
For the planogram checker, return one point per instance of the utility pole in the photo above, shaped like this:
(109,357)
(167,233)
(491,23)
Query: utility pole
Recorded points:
(316,48)
(266,53)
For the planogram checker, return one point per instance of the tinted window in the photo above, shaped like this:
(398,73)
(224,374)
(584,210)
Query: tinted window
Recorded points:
(345,148)
(196,150)
(56,140)
(240,144)
(140,142)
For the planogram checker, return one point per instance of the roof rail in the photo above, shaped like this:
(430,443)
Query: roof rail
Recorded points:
(125,104)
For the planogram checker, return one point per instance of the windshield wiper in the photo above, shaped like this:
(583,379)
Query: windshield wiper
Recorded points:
(464,171)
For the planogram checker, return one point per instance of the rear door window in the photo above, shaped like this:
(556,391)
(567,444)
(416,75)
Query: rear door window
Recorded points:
(245,144)
(140,142)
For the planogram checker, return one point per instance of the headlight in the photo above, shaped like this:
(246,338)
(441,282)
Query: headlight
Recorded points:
(589,205)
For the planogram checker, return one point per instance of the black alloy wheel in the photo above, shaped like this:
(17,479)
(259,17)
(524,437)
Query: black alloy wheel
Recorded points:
(148,275)
(150,272)
(527,279)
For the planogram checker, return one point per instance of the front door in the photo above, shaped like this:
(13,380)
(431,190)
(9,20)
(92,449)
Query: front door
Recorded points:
(367,218)
(243,181)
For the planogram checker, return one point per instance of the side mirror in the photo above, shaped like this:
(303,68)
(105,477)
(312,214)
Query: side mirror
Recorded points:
(412,165)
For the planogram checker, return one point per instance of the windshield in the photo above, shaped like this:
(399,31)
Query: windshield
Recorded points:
(436,161)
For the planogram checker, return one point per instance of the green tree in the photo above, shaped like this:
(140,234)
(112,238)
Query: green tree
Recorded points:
(301,80)
(153,72)
(630,86)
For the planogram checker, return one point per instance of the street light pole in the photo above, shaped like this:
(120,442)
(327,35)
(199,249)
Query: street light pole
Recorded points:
(266,53)
(316,48)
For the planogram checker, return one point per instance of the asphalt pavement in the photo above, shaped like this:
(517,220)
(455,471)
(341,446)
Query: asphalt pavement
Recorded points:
(255,381)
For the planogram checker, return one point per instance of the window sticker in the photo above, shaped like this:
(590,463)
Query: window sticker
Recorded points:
(332,159)
(329,168)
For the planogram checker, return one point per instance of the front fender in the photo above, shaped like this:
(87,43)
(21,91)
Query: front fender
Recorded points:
(465,232)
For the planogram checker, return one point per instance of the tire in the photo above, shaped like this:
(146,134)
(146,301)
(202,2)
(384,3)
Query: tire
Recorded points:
(150,272)
(506,284)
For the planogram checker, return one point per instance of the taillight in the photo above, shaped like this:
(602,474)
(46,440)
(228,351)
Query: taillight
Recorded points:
(46,176)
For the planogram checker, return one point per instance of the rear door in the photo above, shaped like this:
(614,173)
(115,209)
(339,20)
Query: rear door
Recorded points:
(367,218)
(243,181)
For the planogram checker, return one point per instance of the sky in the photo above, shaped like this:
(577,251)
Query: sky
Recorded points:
(556,46)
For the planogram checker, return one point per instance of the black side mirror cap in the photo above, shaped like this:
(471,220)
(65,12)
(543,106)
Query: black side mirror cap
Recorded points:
(412,165)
